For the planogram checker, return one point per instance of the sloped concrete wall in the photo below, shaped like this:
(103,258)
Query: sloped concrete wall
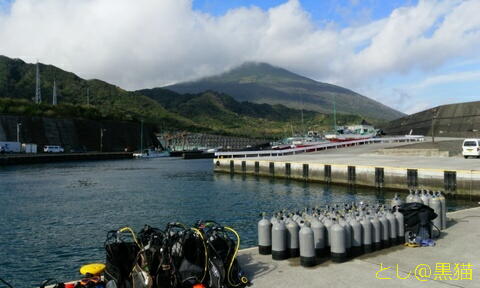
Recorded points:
(76,133)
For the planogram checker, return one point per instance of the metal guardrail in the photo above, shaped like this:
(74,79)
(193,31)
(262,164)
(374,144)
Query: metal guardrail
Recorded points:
(315,148)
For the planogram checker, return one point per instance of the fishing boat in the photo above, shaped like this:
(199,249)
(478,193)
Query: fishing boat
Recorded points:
(352,133)
(151,153)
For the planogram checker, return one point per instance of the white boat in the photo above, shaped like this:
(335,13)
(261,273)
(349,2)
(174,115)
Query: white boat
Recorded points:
(351,133)
(151,153)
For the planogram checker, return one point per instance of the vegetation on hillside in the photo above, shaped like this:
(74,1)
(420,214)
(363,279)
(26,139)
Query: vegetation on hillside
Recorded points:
(207,111)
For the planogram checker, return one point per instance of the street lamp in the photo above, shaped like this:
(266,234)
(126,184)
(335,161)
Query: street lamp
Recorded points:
(434,117)
(18,131)
(101,138)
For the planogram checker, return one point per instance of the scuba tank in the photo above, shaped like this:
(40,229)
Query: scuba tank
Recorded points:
(348,236)
(292,239)
(327,222)
(396,201)
(436,205)
(393,227)
(307,246)
(319,236)
(376,233)
(279,241)
(385,231)
(400,227)
(443,201)
(425,197)
(416,198)
(337,244)
(356,237)
(409,198)
(264,236)
(367,234)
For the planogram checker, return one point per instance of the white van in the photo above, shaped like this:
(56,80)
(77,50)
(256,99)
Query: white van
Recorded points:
(52,149)
(471,147)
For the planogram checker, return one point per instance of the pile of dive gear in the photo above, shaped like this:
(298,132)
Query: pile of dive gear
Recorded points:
(204,255)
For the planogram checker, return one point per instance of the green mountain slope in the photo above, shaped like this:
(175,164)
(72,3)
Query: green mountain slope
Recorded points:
(17,81)
(208,111)
(220,111)
(263,83)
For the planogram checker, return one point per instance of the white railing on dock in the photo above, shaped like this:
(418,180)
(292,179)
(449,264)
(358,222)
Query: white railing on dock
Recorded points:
(315,148)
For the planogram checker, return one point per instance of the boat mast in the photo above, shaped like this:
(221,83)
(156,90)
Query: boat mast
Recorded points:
(141,137)
(303,125)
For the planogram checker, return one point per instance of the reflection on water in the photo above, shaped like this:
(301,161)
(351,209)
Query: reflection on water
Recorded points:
(54,217)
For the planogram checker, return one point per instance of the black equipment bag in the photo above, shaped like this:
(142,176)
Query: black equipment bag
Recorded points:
(188,253)
(121,256)
(417,217)
(224,269)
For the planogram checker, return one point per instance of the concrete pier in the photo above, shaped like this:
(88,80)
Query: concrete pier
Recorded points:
(361,165)
(457,245)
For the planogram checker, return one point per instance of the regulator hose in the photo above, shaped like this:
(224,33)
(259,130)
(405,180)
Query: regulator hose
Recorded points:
(243,279)
(206,253)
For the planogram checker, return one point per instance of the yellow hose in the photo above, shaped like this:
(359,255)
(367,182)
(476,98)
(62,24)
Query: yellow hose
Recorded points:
(206,253)
(128,229)
(243,279)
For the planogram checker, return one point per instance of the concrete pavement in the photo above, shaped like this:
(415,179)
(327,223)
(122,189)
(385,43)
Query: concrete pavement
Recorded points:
(459,243)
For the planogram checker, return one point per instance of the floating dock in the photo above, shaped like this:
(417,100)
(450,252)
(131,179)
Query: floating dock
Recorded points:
(457,245)
(62,157)
(361,165)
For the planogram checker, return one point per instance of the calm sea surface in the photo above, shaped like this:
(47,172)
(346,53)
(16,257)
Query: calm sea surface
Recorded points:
(54,217)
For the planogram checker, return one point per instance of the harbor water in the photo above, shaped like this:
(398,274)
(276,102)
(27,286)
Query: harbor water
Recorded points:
(54,217)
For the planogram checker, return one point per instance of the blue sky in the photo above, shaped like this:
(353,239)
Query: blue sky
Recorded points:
(342,12)
(408,54)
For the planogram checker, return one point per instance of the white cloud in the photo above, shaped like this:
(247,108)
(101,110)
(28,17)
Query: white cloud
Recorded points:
(146,43)
(465,76)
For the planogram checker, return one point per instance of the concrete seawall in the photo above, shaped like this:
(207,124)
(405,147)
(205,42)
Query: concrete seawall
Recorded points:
(433,174)
(49,158)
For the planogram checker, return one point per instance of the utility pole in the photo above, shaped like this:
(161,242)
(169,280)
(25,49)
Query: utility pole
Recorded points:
(88,95)
(101,138)
(18,131)
(54,97)
(38,92)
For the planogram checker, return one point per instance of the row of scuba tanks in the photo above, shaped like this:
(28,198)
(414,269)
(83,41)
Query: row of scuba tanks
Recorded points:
(340,231)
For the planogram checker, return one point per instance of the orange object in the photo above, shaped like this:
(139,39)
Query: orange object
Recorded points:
(199,285)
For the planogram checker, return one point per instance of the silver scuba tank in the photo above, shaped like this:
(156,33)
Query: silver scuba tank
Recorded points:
(376,232)
(319,237)
(357,237)
(367,234)
(443,201)
(337,244)
(307,246)
(348,235)
(409,198)
(396,201)
(392,221)
(385,231)
(436,205)
(400,226)
(292,239)
(279,241)
(264,236)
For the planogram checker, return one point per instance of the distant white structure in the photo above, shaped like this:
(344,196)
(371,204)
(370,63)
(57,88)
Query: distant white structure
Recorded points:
(38,93)
(54,98)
